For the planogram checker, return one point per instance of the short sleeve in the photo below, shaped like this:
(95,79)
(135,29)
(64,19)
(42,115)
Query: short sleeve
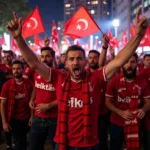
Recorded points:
(55,76)
(146,89)
(4,92)
(111,88)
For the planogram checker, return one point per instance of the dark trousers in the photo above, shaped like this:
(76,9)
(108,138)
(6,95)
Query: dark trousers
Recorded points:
(19,131)
(96,147)
(116,137)
(103,125)
(42,128)
(146,139)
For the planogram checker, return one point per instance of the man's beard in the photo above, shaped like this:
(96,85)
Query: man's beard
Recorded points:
(94,66)
(129,75)
(18,75)
(49,64)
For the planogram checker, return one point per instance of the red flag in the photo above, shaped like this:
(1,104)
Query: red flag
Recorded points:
(33,24)
(146,39)
(54,32)
(113,40)
(132,31)
(80,25)
(38,41)
(2,41)
(124,38)
(110,34)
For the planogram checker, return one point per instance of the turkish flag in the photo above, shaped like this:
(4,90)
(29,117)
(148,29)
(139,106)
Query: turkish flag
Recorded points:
(132,31)
(2,41)
(113,40)
(33,24)
(146,39)
(13,44)
(38,41)
(80,25)
(54,32)
(124,38)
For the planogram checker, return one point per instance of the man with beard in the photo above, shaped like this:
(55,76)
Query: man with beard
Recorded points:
(77,90)
(45,106)
(7,66)
(96,61)
(128,97)
(15,111)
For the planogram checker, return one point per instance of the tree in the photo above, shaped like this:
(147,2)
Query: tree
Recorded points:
(6,9)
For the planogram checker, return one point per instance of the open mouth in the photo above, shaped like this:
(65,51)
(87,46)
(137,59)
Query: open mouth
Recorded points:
(76,71)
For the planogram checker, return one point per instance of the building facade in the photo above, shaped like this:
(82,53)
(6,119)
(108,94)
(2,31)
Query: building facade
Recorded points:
(125,11)
(99,9)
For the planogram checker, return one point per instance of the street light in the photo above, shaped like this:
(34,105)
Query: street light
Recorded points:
(116,24)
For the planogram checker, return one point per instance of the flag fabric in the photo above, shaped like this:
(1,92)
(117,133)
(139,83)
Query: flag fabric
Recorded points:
(80,25)
(132,31)
(2,41)
(146,39)
(33,24)
(38,41)
(124,39)
(113,41)
(54,32)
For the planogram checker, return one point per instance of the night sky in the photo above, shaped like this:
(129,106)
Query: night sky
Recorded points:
(50,10)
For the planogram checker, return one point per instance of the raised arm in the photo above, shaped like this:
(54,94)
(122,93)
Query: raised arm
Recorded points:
(128,51)
(102,57)
(14,27)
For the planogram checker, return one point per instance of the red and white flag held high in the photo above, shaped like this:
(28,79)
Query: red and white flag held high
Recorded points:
(146,39)
(132,31)
(2,40)
(38,41)
(113,40)
(124,38)
(54,33)
(33,24)
(80,25)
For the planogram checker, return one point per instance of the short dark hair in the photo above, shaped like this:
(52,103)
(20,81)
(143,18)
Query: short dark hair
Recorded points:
(94,51)
(136,56)
(18,62)
(146,55)
(8,52)
(62,54)
(75,48)
(48,49)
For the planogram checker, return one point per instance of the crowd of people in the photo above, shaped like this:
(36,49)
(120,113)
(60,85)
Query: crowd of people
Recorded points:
(76,103)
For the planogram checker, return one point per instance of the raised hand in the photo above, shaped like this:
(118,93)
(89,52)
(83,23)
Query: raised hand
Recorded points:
(14,26)
(46,41)
(141,24)
(105,39)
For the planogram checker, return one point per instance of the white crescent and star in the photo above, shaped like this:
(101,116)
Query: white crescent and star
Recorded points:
(35,23)
(85,23)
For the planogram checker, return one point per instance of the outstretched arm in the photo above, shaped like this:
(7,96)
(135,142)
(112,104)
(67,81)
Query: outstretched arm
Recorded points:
(128,51)
(14,27)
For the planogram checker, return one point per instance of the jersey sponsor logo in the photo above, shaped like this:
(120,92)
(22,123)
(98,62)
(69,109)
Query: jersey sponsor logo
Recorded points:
(127,99)
(47,87)
(76,103)
(19,96)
